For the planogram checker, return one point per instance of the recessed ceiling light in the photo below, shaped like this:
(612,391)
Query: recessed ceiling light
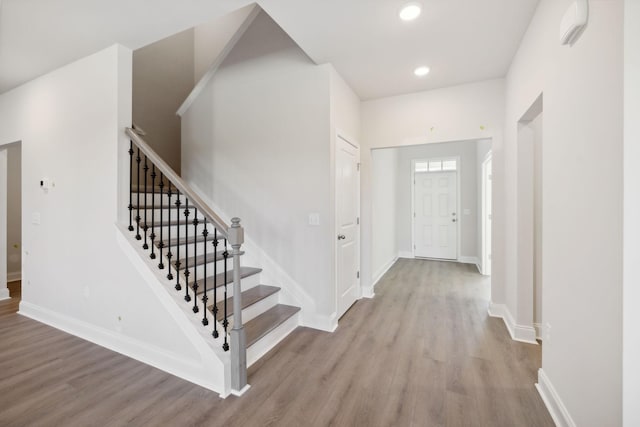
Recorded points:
(421,71)
(410,11)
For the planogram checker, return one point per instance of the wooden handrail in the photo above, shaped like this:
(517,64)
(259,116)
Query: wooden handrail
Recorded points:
(178,182)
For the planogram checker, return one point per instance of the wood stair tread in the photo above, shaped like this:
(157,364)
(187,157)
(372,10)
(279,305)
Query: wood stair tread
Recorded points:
(199,260)
(172,223)
(219,278)
(163,206)
(249,297)
(187,240)
(260,326)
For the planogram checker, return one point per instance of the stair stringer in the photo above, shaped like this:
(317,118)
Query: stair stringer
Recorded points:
(214,371)
(291,292)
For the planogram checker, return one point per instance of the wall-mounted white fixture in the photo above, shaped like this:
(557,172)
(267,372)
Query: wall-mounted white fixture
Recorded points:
(421,71)
(44,184)
(574,21)
(410,11)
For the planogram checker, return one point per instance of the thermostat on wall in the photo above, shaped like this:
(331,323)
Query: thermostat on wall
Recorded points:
(574,21)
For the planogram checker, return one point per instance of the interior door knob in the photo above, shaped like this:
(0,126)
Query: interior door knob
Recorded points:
(341,237)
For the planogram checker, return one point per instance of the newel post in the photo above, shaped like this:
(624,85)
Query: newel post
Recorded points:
(235,235)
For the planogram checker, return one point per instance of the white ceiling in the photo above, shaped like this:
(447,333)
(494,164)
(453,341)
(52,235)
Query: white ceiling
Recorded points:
(460,40)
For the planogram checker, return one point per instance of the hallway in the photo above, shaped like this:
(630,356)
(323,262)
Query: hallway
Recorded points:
(423,352)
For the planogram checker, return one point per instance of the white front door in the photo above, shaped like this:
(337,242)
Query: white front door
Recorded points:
(435,215)
(347,224)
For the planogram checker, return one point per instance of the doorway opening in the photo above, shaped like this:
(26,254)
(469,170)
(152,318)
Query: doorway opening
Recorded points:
(486,215)
(530,222)
(10,220)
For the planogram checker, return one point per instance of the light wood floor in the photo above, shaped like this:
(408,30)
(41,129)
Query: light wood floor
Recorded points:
(422,353)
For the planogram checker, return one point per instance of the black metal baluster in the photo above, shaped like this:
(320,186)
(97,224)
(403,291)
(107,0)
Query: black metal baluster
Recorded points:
(205,233)
(130,185)
(138,236)
(225,322)
(195,256)
(169,254)
(146,222)
(215,283)
(152,237)
(187,297)
(161,243)
(178,287)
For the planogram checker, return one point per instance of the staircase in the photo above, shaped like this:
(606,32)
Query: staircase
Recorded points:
(201,256)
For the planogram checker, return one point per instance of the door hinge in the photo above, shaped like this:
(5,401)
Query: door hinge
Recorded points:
(358,220)
(357,275)
(358,166)
(414,214)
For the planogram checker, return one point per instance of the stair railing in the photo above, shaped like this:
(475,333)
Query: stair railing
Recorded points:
(171,185)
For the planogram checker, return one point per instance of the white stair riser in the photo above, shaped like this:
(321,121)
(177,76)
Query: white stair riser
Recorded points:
(198,249)
(246,283)
(188,229)
(266,343)
(199,270)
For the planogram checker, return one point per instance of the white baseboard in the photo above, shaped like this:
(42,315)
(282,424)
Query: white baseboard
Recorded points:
(538,328)
(317,321)
(143,352)
(468,260)
(368,292)
(521,333)
(405,254)
(552,400)
(4,294)
(14,277)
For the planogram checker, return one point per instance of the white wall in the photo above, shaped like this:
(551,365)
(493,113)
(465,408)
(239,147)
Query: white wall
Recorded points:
(211,38)
(76,276)
(14,209)
(631,373)
(256,144)
(467,112)
(162,79)
(384,187)
(582,202)
(4,292)
(466,151)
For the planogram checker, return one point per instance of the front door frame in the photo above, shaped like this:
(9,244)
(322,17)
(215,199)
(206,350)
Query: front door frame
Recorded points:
(458,201)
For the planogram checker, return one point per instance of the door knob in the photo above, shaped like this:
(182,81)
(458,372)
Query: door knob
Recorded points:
(341,237)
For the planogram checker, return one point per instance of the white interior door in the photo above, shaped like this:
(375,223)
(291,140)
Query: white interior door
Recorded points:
(347,225)
(486,217)
(435,215)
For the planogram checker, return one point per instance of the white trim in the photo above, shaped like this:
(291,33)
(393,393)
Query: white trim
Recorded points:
(382,271)
(406,254)
(14,277)
(538,328)
(521,333)
(468,260)
(143,352)
(239,393)
(483,214)
(197,90)
(321,322)
(552,401)
(4,294)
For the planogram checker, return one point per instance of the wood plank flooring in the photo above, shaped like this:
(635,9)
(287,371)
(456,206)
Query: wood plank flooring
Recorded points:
(421,353)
